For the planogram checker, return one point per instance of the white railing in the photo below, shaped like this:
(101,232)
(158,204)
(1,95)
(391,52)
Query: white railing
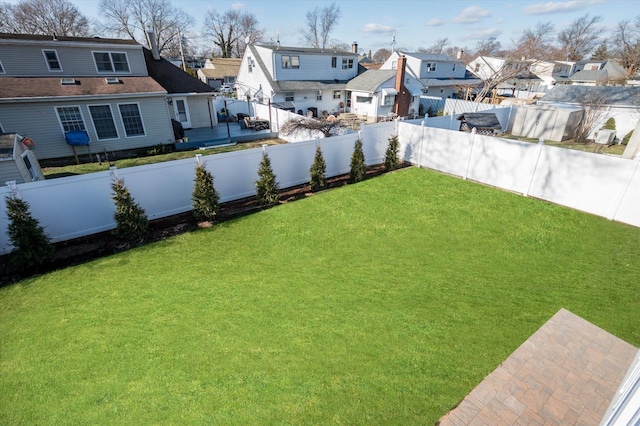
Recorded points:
(602,185)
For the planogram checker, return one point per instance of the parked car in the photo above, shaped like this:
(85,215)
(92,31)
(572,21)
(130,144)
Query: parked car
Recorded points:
(225,88)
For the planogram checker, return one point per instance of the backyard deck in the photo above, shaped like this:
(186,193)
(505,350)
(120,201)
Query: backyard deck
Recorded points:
(222,134)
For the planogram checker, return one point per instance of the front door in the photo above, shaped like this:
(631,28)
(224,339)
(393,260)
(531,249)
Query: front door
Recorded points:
(181,111)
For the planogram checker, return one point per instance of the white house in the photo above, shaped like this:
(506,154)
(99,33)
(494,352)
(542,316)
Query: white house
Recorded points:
(509,77)
(219,71)
(297,78)
(439,75)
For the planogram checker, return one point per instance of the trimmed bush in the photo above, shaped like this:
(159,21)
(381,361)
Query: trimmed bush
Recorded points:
(391,159)
(131,219)
(205,198)
(317,172)
(610,124)
(266,186)
(358,169)
(627,137)
(31,245)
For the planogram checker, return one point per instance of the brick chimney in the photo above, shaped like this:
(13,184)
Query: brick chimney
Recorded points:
(403,98)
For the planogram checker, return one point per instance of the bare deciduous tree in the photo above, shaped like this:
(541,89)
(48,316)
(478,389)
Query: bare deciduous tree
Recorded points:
(626,45)
(381,55)
(534,43)
(59,17)
(488,47)
(320,22)
(594,103)
(310,126)
(134,18)
(437,48)
(580,38)
(231,31)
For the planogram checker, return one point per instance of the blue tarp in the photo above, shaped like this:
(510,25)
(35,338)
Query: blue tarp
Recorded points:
(77,137)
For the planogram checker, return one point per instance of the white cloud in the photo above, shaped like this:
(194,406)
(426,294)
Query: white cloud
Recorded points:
(435,22)
(377,28)
(557,7)
(471,15)
(482,34)
(238,6)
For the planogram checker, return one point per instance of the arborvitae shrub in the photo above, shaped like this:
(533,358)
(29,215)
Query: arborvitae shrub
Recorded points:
(130,218)
(610,124)
(391,159)
(266,185)
(358,169)
(317,172)
(205,198)
(626,138)
(31,245)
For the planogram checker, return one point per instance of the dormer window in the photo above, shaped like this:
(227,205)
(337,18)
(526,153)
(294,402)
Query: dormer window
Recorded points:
(290,61)
(431,67)
(51,57)
(111,62)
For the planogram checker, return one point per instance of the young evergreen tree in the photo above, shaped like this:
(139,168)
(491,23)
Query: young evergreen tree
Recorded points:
(266,186)
(205,198)
(317,172)
(391,159)
(610,124)
(358,169)
(131,219)
(31,245)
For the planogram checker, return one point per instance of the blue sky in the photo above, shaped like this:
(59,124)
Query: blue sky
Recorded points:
(417,23)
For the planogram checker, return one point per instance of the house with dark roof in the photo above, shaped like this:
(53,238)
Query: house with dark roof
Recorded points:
(298,78)
(52,88)
(597,73)
(189,101)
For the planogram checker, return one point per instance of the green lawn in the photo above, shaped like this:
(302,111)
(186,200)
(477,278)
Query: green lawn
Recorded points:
(383,302)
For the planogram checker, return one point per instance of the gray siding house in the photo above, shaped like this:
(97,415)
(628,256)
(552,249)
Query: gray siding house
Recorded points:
(50,86)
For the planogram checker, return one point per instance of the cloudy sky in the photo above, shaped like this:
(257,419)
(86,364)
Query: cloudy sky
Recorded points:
(417,23)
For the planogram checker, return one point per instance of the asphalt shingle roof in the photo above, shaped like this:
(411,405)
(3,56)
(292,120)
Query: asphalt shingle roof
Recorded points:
(616,95)
(369,81)
(172,78)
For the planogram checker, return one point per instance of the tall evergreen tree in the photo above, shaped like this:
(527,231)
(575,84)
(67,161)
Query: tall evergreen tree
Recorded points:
(358,168)
(391,159)
(317,172)
(31,245)
(205,198)
(131,219)
(266,186)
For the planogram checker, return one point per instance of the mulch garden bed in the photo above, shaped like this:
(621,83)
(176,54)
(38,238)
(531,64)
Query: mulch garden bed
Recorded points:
(83,249)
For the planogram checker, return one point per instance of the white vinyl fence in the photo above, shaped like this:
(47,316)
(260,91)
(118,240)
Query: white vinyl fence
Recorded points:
(76,206)
(602,185)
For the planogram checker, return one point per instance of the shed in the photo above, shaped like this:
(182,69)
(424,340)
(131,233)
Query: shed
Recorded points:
(18,161)
(554,123)
(485,123)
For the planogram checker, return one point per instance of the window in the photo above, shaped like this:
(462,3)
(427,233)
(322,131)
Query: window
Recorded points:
(388,100)
(288,96)
(70,118)
(394,65)
(363,99)
(290,61)
(51,56)
(1,68)
(103,122)
(250,64)
(111,61)
(334,62)
(336,94)
(26,157)
(430,67)
(454,67)
(347,64)
(131,119)
(319,95)
(477,67)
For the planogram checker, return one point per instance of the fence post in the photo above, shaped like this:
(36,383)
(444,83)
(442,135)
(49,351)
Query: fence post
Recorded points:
(473,138)
(535,167)
(113,171)
(421,143)
(13,188)
(198,159)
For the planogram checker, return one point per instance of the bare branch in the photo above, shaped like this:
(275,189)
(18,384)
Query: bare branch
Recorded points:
(309,126)
(320,23)
(50,17)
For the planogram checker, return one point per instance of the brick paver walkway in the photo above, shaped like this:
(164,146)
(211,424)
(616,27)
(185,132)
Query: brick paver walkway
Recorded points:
(566,373)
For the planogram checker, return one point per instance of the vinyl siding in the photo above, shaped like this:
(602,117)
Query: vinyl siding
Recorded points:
(76,61)
(315,67)
(199,111)
(9,171)
(39,121)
